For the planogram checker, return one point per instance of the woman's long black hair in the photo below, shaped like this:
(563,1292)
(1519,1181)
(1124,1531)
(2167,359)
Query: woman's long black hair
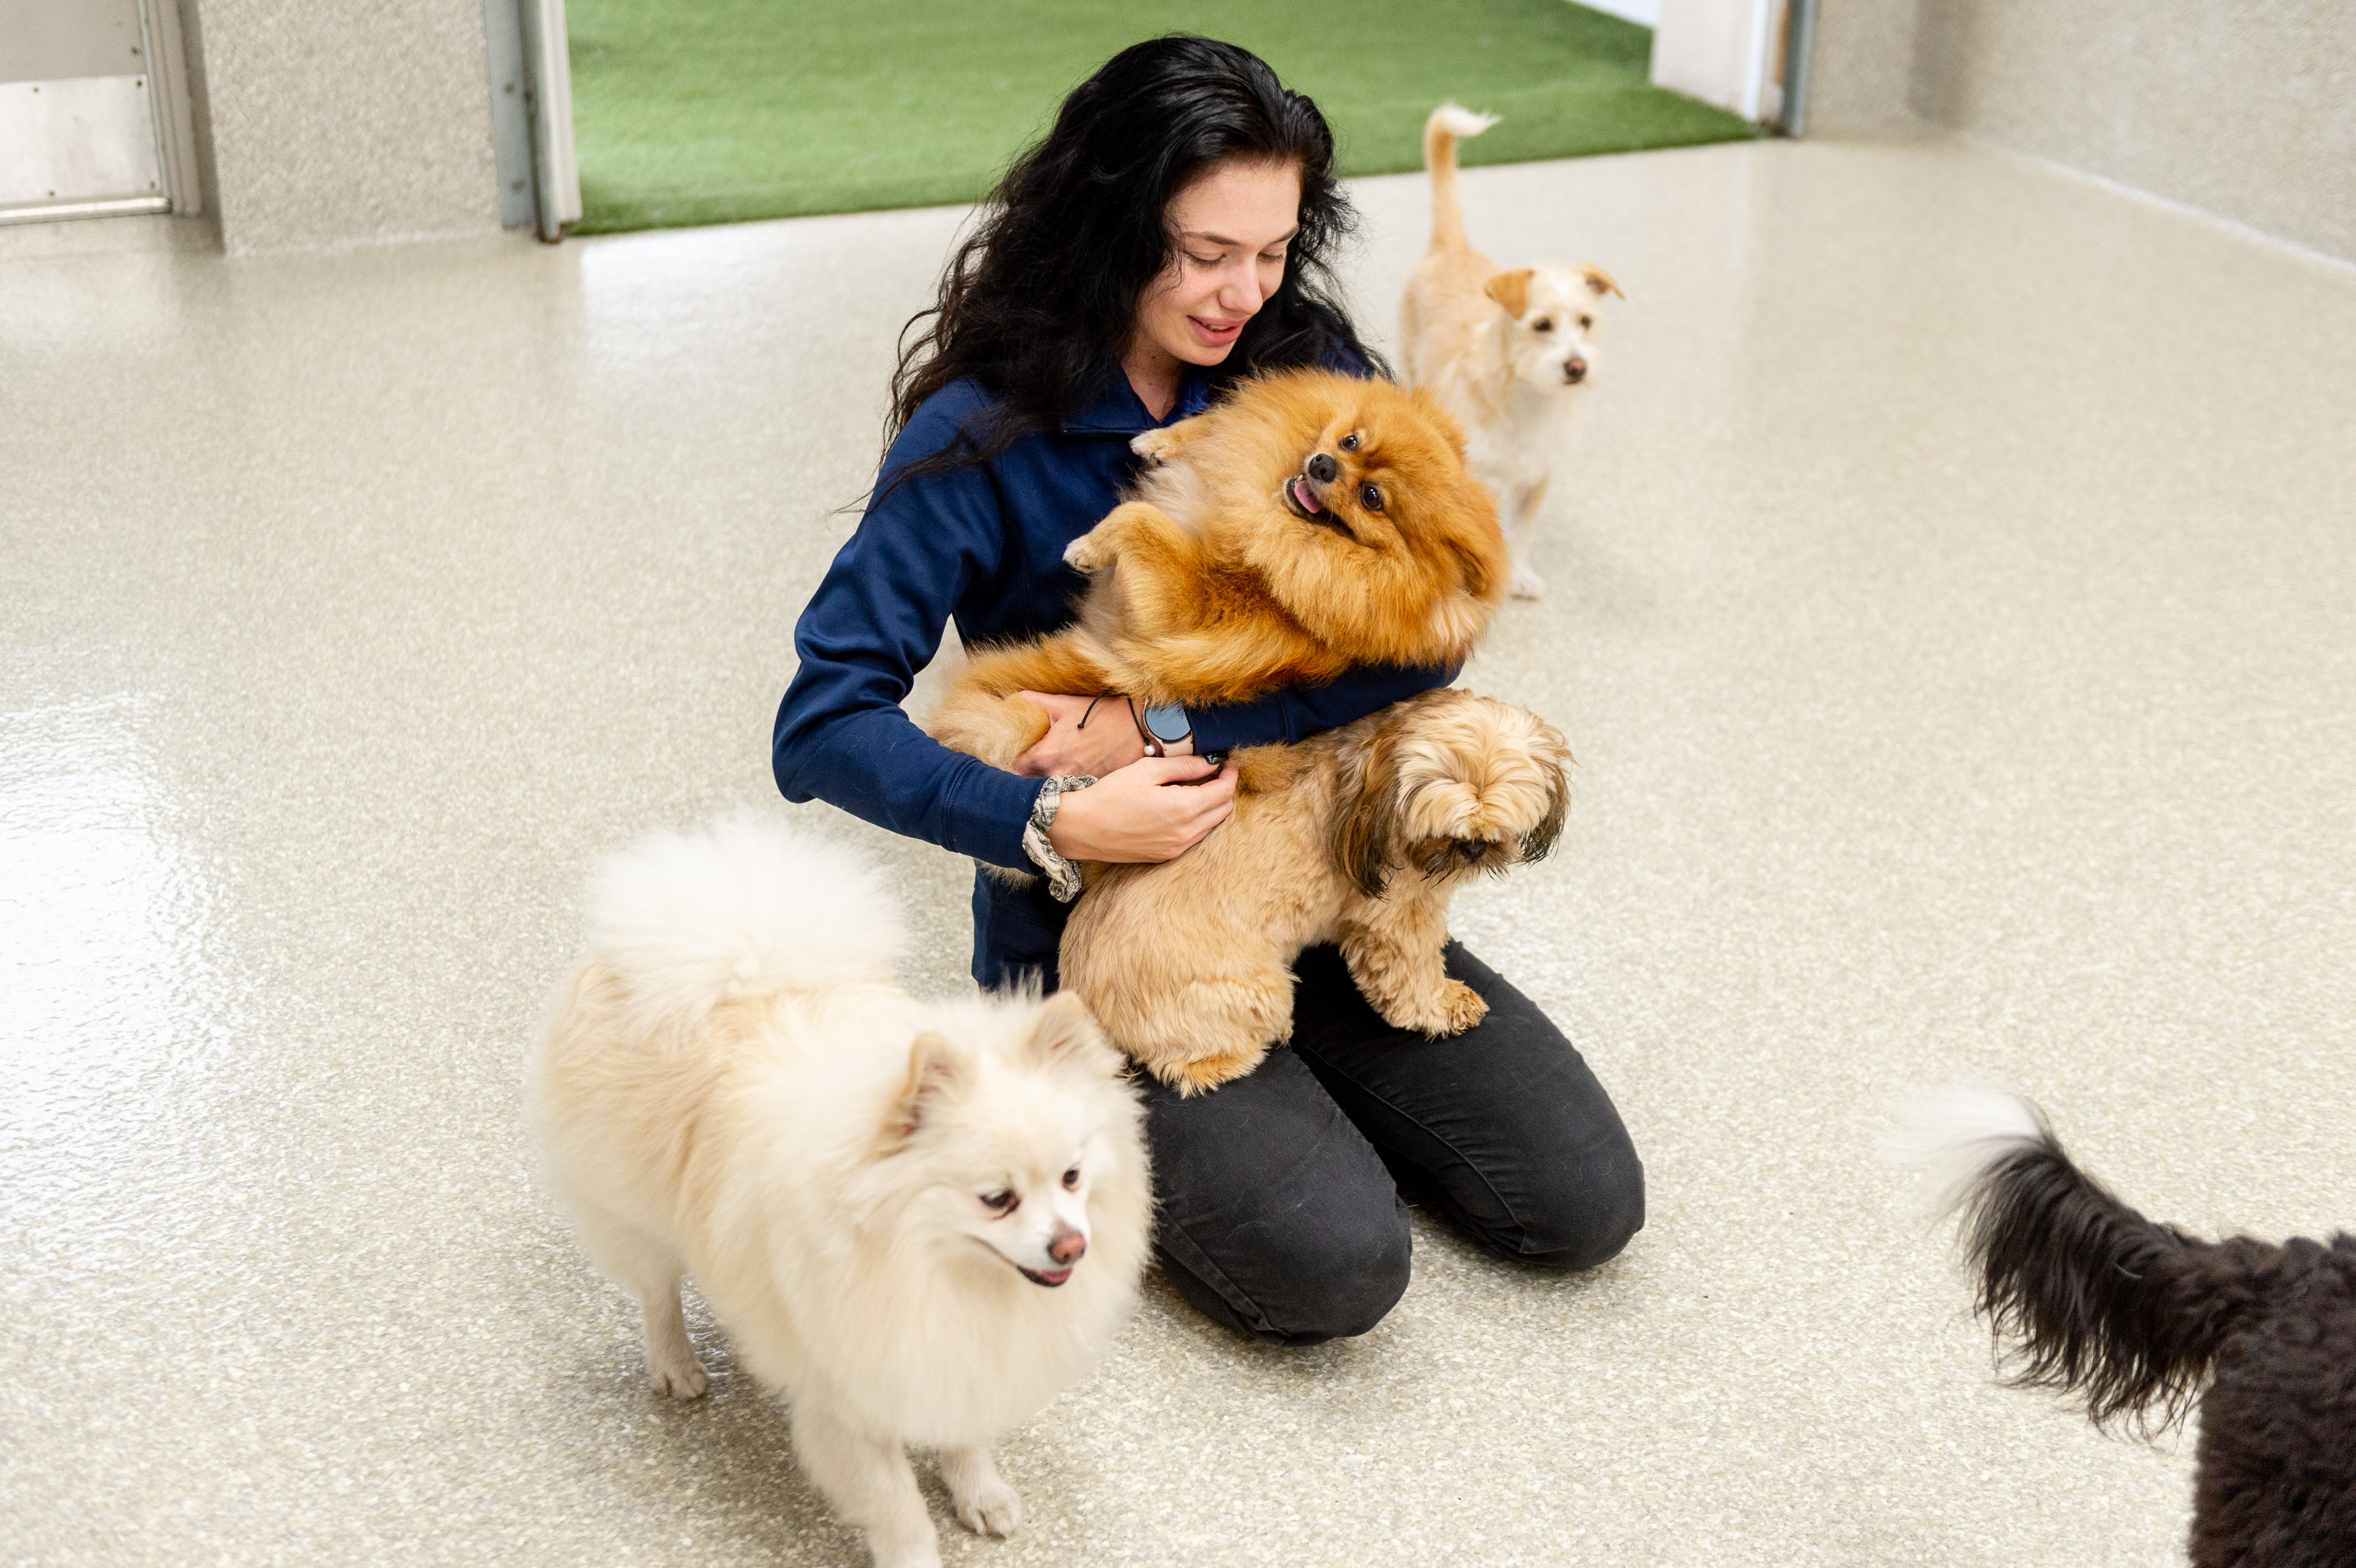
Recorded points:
(1040,302)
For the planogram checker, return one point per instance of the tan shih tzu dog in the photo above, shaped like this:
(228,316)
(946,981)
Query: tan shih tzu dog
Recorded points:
(1358,836)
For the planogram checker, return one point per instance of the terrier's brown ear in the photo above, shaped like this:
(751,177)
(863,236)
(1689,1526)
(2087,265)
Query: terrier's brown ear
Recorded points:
(1065,1030)
(1599,282)
(1511,290)
(936,1068)
(1366,817)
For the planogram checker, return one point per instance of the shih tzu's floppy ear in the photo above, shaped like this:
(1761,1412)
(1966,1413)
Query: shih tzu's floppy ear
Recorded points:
(1599,282)
(1539,839)
(938,1067)
(1366,827)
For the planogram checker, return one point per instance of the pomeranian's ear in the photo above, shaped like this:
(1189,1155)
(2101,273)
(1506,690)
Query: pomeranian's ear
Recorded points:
(1481,570)
(1066,1031)
(936,1069)
(1599,282)
(1511,290)
(1367,815)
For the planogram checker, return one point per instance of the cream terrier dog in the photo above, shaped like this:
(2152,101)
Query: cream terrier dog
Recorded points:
(1507,352)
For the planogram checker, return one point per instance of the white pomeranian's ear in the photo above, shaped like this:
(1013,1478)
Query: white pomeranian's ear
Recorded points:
(938,1067)
(1066,1031)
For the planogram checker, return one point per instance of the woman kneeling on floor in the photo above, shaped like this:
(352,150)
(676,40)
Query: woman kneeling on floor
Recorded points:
(1170,235)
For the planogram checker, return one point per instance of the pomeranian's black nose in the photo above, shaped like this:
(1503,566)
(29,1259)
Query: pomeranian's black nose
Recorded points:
(1323,469)
(1574,369)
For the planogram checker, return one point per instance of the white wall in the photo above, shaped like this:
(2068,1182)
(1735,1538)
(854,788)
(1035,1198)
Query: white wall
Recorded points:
(1727,52)
(1648,12)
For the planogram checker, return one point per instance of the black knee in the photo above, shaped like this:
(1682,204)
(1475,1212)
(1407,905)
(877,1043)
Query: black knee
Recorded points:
(1591,1211)
(1329,1282)
(1345,1289)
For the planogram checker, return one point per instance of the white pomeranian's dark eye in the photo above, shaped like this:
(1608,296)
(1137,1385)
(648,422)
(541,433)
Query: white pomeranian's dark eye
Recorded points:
(1370,498)
(1350,442)
(1543,323)
(1003,1201)
(1072,1179)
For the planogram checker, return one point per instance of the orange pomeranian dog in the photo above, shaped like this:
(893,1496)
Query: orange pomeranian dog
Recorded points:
(1359,836)
(1312,523)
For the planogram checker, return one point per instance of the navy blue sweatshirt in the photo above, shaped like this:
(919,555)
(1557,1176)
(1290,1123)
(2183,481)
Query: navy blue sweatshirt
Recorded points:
(985,545)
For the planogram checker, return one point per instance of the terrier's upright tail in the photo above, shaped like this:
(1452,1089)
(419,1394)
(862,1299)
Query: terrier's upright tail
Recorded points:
(1440,133)
(2095,1299)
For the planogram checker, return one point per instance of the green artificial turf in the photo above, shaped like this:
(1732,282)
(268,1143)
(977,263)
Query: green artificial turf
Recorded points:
(717,110)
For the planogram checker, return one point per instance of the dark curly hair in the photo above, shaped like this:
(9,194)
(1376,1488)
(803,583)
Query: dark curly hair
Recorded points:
(1039,304)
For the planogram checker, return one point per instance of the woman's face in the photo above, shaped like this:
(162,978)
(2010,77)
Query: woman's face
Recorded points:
(1233,225)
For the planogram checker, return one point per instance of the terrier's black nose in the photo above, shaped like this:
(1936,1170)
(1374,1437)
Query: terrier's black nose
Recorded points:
(1574,369)
(1323,469)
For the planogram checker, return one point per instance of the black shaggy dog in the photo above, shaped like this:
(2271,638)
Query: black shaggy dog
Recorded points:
(2136,1317)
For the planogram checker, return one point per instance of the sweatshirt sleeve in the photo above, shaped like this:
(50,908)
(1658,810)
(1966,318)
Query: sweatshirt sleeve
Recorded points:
(875,621)
(1294,713)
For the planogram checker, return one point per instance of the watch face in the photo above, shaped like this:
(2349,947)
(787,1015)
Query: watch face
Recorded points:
(1168,722)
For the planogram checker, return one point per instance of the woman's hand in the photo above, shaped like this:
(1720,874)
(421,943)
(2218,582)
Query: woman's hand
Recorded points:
(1151,811)
(1108,744)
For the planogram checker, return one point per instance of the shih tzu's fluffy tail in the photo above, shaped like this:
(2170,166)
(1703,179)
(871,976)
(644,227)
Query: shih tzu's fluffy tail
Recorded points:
(2093,1299)
(744,908)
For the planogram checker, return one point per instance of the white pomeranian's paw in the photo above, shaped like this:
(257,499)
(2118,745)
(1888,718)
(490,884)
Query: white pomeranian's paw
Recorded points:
(986,1505)
(680,1376)
(993,1510)
(911,1554)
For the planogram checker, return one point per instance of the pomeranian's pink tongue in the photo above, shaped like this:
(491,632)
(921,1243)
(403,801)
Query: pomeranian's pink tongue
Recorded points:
(1300,493)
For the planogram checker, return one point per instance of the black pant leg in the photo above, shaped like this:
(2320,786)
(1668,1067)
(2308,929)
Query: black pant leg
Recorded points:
(1503,1127)
(1273,1214)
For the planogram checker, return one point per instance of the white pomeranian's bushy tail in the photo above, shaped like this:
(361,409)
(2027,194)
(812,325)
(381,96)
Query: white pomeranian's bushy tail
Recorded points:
(743,908)
(1448,121)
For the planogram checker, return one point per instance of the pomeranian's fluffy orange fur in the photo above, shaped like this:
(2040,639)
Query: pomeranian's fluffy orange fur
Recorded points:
(1358,836)
(1310,523)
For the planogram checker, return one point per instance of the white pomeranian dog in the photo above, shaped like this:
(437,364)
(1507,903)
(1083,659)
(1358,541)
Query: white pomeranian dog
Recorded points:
(919,1220)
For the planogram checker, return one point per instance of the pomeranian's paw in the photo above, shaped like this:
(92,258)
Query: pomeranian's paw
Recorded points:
(683,1377)
(1156,446)
(912,1554)
(1527,584)
(1090,552)
(986,1505)
(991,1509)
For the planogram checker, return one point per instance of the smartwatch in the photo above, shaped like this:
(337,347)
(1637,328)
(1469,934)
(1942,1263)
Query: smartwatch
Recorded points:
(1165,723)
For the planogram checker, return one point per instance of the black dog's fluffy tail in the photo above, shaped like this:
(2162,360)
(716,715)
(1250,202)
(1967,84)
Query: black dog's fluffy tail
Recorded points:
(2095,1299)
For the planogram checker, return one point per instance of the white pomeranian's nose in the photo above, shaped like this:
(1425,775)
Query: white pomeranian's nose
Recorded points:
(1068,1246)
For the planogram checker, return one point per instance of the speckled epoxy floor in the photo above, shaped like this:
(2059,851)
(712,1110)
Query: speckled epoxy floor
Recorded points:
(1952,612)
